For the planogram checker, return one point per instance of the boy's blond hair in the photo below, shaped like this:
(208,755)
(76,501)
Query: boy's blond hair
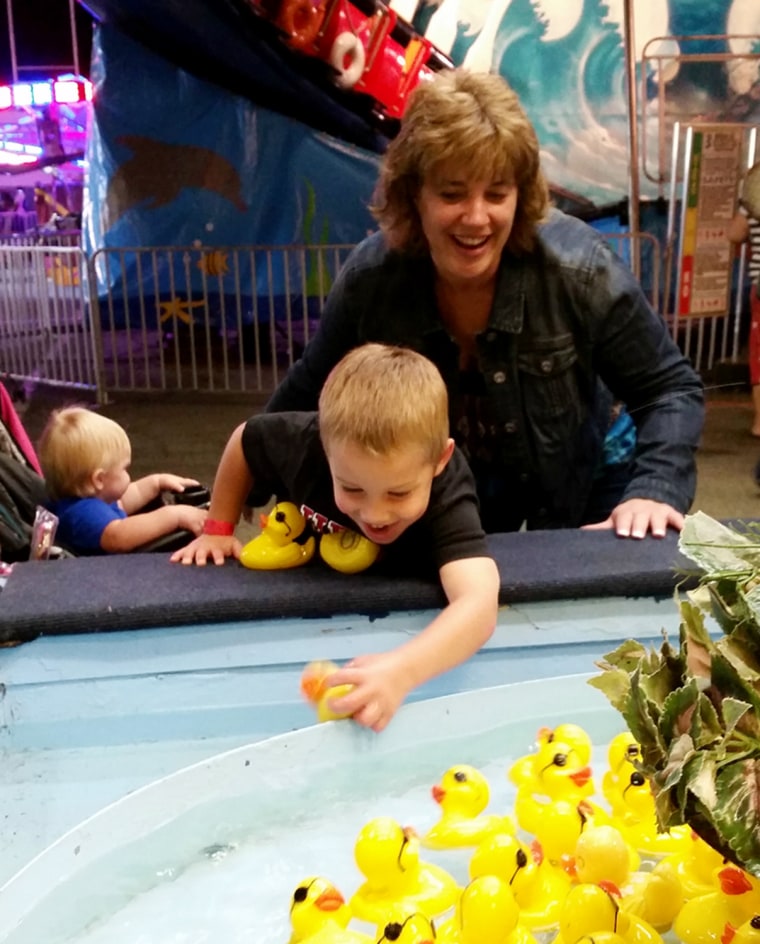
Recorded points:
(75,443)
(383,398)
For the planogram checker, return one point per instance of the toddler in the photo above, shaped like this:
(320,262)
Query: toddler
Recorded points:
(85,459)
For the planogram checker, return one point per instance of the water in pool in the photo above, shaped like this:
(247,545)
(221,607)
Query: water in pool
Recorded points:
(214,852)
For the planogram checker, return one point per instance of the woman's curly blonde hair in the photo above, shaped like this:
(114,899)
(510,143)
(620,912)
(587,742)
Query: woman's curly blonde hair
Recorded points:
(468,119)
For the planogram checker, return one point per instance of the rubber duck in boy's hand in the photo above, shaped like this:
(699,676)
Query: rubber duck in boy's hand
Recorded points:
(320,915)
(711,918)
(523,769)
(486,913)
(389,858)
(276,548)
(539,888)
(589,910)
(315,689)
(463,794)
(347,551)
(637,819)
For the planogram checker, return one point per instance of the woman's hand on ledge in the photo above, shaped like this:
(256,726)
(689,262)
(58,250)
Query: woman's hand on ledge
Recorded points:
(638,517)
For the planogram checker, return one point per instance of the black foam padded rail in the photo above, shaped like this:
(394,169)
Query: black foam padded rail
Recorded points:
(138,591)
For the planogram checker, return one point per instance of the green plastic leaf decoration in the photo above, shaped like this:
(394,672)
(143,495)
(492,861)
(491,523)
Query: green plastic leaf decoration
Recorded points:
(733,711)
(677,710)
(695,709)
(615,684)
(737,811)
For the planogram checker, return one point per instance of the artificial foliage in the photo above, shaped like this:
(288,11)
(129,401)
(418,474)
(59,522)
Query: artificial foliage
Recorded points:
(695,708)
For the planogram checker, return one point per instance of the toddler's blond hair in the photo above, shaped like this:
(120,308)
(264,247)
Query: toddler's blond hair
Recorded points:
(75,443)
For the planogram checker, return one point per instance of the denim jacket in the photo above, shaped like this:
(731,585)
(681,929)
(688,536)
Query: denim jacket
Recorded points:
(569,330)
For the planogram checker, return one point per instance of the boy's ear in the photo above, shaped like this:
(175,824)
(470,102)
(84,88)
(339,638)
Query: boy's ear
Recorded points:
(448,451)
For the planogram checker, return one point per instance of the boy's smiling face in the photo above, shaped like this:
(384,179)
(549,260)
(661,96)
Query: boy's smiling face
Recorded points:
(383,494)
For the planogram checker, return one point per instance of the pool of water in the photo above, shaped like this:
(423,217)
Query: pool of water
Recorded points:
(214,852)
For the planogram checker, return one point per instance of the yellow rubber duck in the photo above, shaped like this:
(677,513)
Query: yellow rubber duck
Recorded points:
(538,888)
(623,752)
(320,915)
(749,932)
(276,548)
(590,910)
(463,793)
(697,867)
(713,918)
(523,769)
(389,858)
(402,926)
(315,689)
(347,551)
(486,913)
(602,856)
(636,817)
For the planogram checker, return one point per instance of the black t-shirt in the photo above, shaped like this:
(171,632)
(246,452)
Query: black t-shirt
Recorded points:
(286,458)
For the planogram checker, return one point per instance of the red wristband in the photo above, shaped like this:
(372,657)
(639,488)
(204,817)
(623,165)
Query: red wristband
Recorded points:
(225,528)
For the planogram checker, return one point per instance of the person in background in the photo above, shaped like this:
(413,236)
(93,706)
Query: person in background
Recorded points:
(537,327)
(377,457)
(745,228)
(85,460)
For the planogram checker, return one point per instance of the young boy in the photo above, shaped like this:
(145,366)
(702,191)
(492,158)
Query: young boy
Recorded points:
(377,457)
(85,460)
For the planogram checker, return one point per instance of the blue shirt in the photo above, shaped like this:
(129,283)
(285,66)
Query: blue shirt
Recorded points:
(82,521)
(570,331)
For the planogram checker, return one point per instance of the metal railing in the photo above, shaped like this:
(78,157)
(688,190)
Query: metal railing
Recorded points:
(212,320)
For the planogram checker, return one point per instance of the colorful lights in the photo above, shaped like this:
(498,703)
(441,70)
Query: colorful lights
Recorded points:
(68,91)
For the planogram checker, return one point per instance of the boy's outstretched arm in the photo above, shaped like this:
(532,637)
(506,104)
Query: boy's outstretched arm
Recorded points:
(232,483)
(382,681)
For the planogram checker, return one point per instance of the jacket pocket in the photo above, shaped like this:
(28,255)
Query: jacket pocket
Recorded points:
(548,378)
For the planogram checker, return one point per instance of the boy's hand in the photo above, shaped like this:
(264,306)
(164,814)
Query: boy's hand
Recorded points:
(174,483)
(216,547)
(191,518)
(380,687)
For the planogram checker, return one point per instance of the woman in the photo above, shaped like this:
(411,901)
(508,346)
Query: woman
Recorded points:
(536,326)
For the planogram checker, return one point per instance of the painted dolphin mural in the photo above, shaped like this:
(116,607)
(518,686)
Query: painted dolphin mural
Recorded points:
(157,172)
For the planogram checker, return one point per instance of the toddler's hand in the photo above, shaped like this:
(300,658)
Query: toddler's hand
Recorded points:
(191,518)
(216,547)
(174,483)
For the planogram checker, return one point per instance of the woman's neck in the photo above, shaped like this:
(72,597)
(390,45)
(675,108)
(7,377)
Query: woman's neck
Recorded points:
(465,310)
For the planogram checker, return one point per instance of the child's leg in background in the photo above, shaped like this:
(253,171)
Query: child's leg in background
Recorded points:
(754,356)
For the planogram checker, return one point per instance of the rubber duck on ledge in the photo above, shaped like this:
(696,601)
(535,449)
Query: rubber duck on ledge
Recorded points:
(276,548)
(463,793)
(622,753)
(389,858)
(347,551)
(486,913)
(320,915)
(315,689)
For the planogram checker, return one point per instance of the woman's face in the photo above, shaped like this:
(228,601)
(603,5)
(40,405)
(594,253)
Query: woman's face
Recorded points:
(467,223)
